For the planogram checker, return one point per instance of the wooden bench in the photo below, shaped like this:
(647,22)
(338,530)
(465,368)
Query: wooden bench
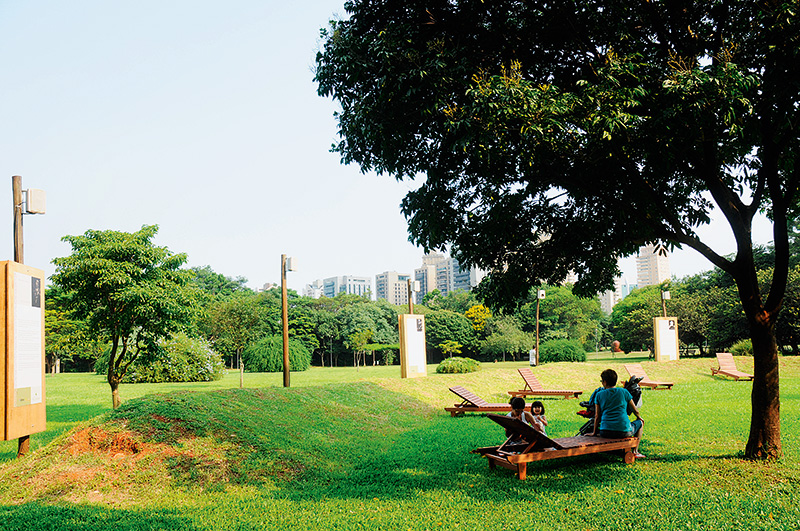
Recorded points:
(727,367)
(526,445)
(534,388)
(635,369)
(470,402)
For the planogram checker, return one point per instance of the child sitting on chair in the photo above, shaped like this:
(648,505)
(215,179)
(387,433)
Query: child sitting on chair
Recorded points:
(518,412)
(539,420)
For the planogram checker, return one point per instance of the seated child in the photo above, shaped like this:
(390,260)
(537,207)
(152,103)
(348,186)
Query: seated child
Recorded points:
(518,412)
(539,420)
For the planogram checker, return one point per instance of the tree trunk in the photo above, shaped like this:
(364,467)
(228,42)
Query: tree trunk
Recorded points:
(765,422)
(241,368)
(111,375)
(115,400)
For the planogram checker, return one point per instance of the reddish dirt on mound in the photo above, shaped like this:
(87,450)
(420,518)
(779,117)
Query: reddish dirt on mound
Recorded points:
(114,443)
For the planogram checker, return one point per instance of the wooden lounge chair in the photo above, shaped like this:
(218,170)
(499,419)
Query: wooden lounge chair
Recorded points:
(534,388)
(635,369)
(727,367)
(527,445)
(470,402)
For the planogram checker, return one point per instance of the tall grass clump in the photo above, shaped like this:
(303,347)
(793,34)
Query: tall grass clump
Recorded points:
(743,347)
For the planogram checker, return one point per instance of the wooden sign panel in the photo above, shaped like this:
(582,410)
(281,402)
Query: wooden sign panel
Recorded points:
(666,335)
(23,350)
(413,356)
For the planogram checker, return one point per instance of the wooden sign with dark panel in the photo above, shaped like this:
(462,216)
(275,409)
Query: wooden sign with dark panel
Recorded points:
(22,343)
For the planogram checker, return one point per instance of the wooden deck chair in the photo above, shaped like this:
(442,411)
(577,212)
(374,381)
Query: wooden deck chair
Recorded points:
(635,369)
(470,402)
(526,445)
(534,388)
(727,367)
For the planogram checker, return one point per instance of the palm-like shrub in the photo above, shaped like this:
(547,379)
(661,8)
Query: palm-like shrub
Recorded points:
(266,355)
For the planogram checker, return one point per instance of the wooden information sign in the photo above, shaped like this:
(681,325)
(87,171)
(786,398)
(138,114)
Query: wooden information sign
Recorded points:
(413,356)
(22,344)
(665,330)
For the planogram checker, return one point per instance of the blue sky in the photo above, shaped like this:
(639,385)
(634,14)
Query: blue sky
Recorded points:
(201,117)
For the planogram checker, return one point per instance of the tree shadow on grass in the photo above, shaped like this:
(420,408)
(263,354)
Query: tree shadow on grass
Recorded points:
(43,517)
(438,457)
(74,412)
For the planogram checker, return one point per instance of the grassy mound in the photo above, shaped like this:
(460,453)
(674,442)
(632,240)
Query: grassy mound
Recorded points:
(206,441)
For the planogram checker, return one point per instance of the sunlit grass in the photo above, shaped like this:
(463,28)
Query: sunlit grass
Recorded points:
(347,449)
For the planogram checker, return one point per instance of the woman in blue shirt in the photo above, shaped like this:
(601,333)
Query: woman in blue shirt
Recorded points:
(612,406)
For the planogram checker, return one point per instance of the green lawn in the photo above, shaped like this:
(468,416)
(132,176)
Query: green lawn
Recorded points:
(346,449)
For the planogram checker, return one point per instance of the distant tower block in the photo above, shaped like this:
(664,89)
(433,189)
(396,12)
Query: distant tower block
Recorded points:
(652,265)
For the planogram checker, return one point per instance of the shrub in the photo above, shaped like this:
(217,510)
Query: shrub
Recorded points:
(743,347)
(178,359)
(561,350)
(266,355)
(458,365)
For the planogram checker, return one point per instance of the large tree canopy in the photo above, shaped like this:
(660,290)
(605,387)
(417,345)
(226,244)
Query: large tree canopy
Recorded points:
(558,136)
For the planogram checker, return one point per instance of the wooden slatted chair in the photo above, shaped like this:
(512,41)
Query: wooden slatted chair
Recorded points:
(635,369)
(727,367)
(470,402)
(534,388)
(526,445)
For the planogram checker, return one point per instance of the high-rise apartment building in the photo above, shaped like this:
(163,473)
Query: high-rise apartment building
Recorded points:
(392,286)
(446,275)
(314,290)
(333,286)
(652,265)
(458,278)
(426,275)
(608,299)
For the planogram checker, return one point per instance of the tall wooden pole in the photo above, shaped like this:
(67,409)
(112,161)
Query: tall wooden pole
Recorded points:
(410,298)
(16,193)
(16,188)
(537,330)
(241,367)
(285,319)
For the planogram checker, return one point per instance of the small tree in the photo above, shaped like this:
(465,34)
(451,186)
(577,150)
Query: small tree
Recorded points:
(235,324)
(131,293)
(478,314)
(450,347)
(357,342)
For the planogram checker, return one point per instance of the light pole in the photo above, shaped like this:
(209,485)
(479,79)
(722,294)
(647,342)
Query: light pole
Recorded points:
(35,204)
(287,264)
(539,297)
(413,287)
(665,296)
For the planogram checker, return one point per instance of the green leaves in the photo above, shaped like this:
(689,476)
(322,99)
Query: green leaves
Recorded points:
(558,137)
(131,292)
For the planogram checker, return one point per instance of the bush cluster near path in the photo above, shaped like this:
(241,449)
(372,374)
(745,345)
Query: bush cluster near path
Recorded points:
(374,451)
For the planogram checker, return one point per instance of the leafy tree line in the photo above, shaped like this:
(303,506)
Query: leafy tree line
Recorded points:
(711,318)
(124,307)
